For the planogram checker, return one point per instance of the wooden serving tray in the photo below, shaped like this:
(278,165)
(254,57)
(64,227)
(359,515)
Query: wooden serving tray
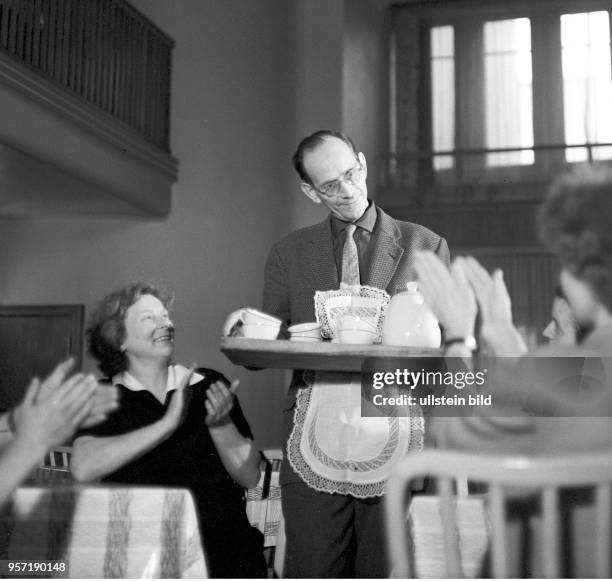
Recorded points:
(327,356)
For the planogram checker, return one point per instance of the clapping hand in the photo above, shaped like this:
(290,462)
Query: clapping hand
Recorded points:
(448,294)
(219,403)
(490,290)
(105,398)
(52,410)
(498,332)
(175,414)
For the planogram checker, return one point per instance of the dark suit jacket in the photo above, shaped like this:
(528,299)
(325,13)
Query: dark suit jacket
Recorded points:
(303,262)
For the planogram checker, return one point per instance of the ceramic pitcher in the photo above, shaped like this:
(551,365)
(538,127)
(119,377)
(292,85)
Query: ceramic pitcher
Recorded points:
(409,321)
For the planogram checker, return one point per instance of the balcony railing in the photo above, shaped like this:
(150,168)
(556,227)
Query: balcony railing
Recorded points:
(467,178)
(104,51)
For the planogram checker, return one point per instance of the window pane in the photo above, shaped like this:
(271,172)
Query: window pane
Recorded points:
(587,88)
(443,94)
(508,92)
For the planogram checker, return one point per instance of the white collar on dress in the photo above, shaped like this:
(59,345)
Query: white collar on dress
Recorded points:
(175,374)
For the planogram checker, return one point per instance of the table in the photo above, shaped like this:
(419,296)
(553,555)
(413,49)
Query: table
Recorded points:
(105,531)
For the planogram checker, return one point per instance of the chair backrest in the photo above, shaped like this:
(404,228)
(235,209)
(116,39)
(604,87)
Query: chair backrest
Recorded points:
(58,458)
(505,477)
(274,513)
(264,510)
(54,468)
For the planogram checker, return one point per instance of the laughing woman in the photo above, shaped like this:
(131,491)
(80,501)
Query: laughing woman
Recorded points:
(175,427)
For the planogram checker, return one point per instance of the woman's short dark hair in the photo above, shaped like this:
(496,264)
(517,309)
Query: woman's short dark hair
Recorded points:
(576,223)
(106,327)
(312,142)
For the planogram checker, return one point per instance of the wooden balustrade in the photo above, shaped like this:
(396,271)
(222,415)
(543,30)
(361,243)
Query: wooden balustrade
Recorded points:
(101,50)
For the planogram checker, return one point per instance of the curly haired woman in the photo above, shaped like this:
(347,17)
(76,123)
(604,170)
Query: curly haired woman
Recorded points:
(175,427)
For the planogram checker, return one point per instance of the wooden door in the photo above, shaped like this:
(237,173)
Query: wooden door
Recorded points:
(33,340)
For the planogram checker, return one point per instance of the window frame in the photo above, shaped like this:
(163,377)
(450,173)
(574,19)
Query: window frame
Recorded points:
(467,19)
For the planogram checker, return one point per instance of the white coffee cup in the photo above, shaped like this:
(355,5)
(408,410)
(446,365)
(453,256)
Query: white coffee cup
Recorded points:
(259,331)
(232,327)
(356,336)
(250,315)
(350,321)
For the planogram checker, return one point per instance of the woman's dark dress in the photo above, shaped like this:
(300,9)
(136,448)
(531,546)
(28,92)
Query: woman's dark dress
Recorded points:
(188,458)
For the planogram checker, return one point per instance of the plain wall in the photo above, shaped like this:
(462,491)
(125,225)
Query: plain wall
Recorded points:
(249,79)
(340,81)
(365,83)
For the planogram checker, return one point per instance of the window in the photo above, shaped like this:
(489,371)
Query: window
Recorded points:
(508,98)
(443,93)
(587,88)
(499,93)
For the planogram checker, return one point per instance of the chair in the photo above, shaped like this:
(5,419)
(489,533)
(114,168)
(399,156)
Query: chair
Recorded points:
(508,478)
(264,510)
(54,468)
(275,523)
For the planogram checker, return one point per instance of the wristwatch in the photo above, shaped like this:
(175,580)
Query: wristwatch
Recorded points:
(469,342)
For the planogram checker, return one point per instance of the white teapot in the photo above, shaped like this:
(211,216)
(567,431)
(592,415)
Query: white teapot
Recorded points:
(409,321)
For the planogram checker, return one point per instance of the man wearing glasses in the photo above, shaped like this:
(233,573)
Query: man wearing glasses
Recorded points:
(333,531)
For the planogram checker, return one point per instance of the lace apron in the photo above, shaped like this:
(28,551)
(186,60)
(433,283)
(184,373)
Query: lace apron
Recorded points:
(334,449)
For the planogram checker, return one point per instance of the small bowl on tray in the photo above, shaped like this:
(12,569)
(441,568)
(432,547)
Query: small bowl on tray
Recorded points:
(306,332)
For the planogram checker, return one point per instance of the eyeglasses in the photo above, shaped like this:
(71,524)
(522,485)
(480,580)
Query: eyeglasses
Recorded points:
(352,177)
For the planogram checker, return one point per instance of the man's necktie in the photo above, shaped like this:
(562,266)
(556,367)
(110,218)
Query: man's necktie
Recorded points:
(350,258)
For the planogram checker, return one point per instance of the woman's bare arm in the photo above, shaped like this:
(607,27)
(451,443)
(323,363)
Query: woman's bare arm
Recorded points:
(238,454)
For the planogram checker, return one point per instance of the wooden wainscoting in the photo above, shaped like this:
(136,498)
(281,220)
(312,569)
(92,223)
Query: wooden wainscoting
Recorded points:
(33,340)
